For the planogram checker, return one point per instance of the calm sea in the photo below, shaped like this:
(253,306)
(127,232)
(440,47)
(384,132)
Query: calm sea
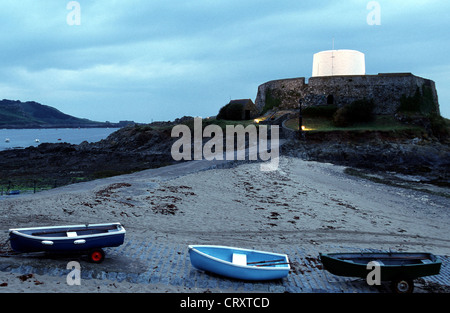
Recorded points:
(22,138)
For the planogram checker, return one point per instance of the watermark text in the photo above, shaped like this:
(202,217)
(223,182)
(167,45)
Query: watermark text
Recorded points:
(74,16)
(239,149)
(74,276)
(374,276)
(374,16)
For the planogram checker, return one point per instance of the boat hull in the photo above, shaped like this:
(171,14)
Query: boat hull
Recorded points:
(56,239)
(393,266)
(218,260)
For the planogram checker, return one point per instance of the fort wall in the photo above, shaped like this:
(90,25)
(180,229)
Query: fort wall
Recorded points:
(385,90)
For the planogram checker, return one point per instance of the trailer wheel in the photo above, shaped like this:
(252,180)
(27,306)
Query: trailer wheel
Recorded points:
(403,286)
(97,256)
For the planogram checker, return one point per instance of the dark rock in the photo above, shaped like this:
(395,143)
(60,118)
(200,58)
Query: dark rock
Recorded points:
(430,159)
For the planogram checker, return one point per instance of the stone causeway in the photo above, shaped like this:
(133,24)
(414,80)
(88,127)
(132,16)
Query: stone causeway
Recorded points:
(141,262)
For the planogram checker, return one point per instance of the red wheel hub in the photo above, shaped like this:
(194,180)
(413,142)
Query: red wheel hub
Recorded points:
(96,256)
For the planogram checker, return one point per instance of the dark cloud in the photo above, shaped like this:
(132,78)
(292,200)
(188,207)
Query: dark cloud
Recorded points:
(156,59)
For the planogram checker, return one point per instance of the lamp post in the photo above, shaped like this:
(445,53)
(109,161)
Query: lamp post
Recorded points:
(300,118)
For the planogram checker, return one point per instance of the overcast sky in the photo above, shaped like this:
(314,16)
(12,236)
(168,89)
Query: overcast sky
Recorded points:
(160,59)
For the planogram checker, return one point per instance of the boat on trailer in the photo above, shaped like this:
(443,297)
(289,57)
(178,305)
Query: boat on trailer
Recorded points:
(239,263)
(84,239)
(400,268)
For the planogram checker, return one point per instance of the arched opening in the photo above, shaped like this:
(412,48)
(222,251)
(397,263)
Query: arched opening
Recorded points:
(330,99)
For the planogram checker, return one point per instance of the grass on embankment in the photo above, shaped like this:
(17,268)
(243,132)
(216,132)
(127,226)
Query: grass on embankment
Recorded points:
(322,124)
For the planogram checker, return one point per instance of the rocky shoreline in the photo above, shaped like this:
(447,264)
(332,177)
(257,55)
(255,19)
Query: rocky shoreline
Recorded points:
(125,151)
(416,159)
(140,147)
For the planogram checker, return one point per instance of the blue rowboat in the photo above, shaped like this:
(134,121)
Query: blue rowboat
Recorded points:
(88,238)
(239,263)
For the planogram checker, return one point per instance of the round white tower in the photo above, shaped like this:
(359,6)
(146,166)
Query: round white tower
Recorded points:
(339,62)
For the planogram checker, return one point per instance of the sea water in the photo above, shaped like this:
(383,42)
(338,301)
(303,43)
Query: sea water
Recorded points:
(23,138)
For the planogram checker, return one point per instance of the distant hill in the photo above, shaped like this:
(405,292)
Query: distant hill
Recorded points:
(17,114)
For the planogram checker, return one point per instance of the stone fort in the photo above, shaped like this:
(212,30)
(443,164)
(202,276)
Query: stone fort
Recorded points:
(339,78)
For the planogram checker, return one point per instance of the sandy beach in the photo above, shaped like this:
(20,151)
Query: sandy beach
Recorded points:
(305,204)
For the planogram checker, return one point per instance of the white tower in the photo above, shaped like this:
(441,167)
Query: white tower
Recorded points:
(339,62)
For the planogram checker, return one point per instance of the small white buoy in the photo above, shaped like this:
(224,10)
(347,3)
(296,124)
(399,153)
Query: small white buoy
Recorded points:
(7,140)
(37,140)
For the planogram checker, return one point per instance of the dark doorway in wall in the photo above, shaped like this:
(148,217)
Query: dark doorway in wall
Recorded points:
(330,99)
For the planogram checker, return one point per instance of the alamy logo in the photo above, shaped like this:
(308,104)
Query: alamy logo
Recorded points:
(74,276)
(374,276)
(213,149)
(374,16)
(74,16)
